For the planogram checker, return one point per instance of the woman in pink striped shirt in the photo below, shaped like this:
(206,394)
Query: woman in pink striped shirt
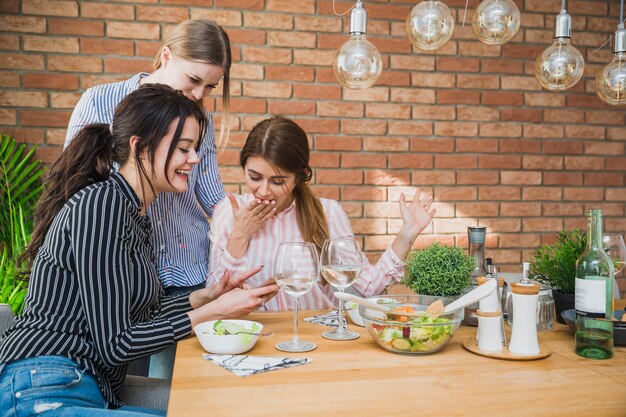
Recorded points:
(247,229)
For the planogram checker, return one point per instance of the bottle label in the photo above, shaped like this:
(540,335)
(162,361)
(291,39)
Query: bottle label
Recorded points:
(591,296)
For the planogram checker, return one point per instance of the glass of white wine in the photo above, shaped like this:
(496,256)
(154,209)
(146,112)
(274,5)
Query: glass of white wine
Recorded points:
(340,263)
(296,272)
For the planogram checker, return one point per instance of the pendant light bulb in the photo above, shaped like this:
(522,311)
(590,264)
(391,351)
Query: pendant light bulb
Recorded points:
(611,80)
(561,65)
(495,22)
(430,25)
(358,63)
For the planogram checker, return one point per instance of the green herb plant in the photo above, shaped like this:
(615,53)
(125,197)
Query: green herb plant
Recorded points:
(555,264)
(20,188)
(439,270)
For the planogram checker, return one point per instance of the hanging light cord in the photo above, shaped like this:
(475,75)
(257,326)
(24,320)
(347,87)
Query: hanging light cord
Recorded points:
(619,26)
(346,12)
(465,13)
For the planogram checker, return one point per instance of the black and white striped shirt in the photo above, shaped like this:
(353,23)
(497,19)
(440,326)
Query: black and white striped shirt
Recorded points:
(94,294)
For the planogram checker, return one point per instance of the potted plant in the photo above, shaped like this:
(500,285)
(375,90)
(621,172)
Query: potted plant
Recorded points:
(555,265)
(439,270)
(20,188)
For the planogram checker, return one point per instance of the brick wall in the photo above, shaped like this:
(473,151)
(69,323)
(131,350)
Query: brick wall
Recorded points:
(468,123)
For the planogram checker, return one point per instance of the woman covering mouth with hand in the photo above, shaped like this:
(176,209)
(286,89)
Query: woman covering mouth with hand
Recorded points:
(247,229)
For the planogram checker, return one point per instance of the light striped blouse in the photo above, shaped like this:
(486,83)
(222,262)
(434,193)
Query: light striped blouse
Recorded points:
(94,294)
(284,228)
(179,219)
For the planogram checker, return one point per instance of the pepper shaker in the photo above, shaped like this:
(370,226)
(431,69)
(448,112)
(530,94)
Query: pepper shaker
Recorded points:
(524,334)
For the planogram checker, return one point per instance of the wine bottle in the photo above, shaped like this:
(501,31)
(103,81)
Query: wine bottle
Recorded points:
(594,294)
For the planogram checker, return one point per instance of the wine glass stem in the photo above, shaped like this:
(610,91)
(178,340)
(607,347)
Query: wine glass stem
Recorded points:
(296,339)
(340,330)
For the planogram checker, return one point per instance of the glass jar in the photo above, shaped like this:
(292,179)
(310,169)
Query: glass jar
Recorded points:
(545,308)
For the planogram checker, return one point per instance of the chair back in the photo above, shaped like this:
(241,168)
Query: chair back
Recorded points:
(6,317)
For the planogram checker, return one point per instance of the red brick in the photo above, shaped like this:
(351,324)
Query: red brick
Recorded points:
(248,105)
(9,42)
(53,118)
(23,98)
(363,160)
(10,6)
(456,161)
(433,177)
(412,95)
(133,30)
(543,162)
(388,111)
(563,116)
(544,99)
(386,143)
(584,163)
(9,79)
(107,46)
(523,114)
(162,14)
(476,209)
(519,240)
(74,63)
(108,10)
(291,39)
(222,17)
(291,107)
(337,143)
(26,24)
(603,117)
(394,78)
(320,92)
(458,97)
(8,117)
(340,108)
(397,127)
(501,66)
(604,148)
(423,79)
(127,66)
(584,101)
(501,98)
(456,129)
(454,64)
(478,49)
(563,210)
(499,161)
(583,194)
(412,62)
(75,27)
(24,135)
(268,20)
(50,81)
(542,225)
(455,193)
(270,55)
(520,209)
(562,178)
(477,145)
(410,161)
(316,125)
(382,177)
(150,49)
(499,193)
(527,146)
(317,23)
(616,133)
(50,44)
(236,4)
(267,89)
(50,7)
(604,178)
(64,100)
(368,94)
(324,160)
(477,177)
(343,176)
(361,126)
(585,132)
(431,112)
(560,147)
(608,209)
(246,72)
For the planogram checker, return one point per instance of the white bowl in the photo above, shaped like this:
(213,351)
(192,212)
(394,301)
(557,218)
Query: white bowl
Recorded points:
(353,312)
(227,344)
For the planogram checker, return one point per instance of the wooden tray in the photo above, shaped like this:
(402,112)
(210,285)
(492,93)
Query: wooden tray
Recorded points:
(470,344)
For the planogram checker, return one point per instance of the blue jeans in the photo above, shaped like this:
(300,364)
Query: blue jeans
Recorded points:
(55,386)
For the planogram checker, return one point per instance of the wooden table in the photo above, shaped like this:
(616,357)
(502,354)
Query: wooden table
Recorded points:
(357,378)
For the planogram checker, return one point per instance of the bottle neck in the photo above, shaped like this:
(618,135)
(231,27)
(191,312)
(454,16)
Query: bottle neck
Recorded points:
(594,229)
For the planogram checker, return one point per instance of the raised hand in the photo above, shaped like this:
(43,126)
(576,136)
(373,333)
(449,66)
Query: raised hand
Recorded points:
(247,220)
(418,214)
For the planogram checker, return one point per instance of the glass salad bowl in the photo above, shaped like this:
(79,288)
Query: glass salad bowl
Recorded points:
(407,328)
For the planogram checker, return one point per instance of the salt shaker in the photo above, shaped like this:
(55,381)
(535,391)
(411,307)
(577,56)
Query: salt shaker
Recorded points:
(489,304)
(524,334)
(489,330)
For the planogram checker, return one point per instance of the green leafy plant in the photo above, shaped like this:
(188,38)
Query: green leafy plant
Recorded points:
(439,270)
(20,188)
(555,264)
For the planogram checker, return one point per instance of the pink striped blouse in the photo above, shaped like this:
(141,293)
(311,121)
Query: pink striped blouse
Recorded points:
(284,228)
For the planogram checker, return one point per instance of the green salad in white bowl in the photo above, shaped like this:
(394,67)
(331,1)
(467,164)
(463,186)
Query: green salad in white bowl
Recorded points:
(228,337)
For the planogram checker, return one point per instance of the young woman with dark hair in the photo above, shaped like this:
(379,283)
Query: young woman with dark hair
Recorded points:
(247,229)
(95,302)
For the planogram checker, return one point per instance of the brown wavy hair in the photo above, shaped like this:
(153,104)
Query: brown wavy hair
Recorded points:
(283,143)
(203,40)
(147,113)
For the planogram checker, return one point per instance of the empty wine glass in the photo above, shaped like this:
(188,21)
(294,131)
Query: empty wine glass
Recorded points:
(616,249)
(340,264)
(296,272)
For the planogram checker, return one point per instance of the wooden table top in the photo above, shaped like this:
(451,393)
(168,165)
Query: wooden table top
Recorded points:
(361,379)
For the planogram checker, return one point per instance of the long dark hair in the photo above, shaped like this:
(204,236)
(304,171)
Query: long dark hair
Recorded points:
(147,113)
(283,143)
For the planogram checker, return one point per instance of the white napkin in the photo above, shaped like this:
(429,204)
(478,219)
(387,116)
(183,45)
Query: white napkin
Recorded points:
(330,319)
(243,365)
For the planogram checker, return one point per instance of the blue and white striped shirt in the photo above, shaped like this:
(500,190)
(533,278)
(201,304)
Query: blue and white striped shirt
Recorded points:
(179,222)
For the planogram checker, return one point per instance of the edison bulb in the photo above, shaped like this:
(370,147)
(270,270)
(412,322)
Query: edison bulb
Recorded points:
(430,25)
(611,81)
(496,21)
(560,66)
(358,63)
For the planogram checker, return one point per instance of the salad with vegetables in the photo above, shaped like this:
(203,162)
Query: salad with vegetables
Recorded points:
(422,333)
(226,328)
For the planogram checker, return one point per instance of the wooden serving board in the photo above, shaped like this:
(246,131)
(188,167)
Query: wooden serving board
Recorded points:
(470,344)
